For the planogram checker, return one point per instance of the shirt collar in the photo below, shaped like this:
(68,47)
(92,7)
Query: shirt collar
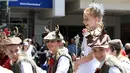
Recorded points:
(101,64)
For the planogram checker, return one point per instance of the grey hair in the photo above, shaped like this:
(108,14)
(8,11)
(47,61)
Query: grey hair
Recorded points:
(98,9)
(127,45)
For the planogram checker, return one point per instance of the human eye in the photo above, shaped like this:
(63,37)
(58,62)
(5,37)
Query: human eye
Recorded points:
(101,49)
(94,50)
(16,50)
(85,19)
(11,51)
(52,41)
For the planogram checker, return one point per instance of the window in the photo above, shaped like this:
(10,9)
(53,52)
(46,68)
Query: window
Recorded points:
(18,20)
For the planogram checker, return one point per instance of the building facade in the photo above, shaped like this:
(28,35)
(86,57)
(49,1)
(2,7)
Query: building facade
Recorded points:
(34,15)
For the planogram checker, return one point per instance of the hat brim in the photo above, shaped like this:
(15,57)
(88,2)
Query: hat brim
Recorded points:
(11,41)
(63,41)
(103,46)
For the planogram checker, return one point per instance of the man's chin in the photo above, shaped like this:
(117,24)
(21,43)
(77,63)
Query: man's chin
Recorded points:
(100,60)
(14,60)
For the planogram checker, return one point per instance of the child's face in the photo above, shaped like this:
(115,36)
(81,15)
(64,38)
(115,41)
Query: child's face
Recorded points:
(99,53)
(53,45)
(90,21)
(13,51)
(25,48)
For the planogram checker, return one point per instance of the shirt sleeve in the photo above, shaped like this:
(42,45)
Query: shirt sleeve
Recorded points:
(26,67)
(5,70)
(114,70)
(63,65)
(126,65)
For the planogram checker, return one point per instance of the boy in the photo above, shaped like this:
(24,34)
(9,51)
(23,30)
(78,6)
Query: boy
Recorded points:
(109,63)
(20,62)
(60,62)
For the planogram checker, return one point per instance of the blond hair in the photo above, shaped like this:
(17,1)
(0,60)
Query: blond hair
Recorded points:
(95,10)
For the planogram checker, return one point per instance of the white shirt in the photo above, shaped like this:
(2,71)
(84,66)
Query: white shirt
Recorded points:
(4,70)
(126,66)
(114,70)
(63,65)
(26,67)
(29,51)
(90,66)
(85,47)
(41,70)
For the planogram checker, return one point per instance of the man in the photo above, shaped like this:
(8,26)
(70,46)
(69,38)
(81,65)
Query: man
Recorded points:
(4,70)
(72,47)
(116,47)
(109,63)
(127,49)
(20,62)
(60,62)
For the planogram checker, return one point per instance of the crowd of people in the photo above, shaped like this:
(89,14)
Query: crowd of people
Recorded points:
(98,53)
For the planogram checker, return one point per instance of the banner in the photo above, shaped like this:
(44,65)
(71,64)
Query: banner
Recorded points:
(8,0)
(32,3)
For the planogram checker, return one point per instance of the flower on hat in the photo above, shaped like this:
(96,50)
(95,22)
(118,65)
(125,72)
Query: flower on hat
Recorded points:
(7,32)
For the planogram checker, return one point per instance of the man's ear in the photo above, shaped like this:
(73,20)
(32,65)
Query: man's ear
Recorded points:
(114,52)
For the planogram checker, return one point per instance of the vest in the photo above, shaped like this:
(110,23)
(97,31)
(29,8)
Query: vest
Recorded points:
(23,58)
(110,62)
(59,54)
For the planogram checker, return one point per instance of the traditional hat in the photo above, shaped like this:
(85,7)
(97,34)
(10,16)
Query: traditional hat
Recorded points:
(25,43)
(11,41)
(63,41)
(54,35)
(101,41)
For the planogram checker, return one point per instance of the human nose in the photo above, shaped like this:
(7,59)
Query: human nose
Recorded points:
(49,43)
(14,54)
(97,55)
(83,22)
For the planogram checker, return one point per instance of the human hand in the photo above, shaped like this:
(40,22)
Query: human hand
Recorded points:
(76,65)
(74,57)
(85,32)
